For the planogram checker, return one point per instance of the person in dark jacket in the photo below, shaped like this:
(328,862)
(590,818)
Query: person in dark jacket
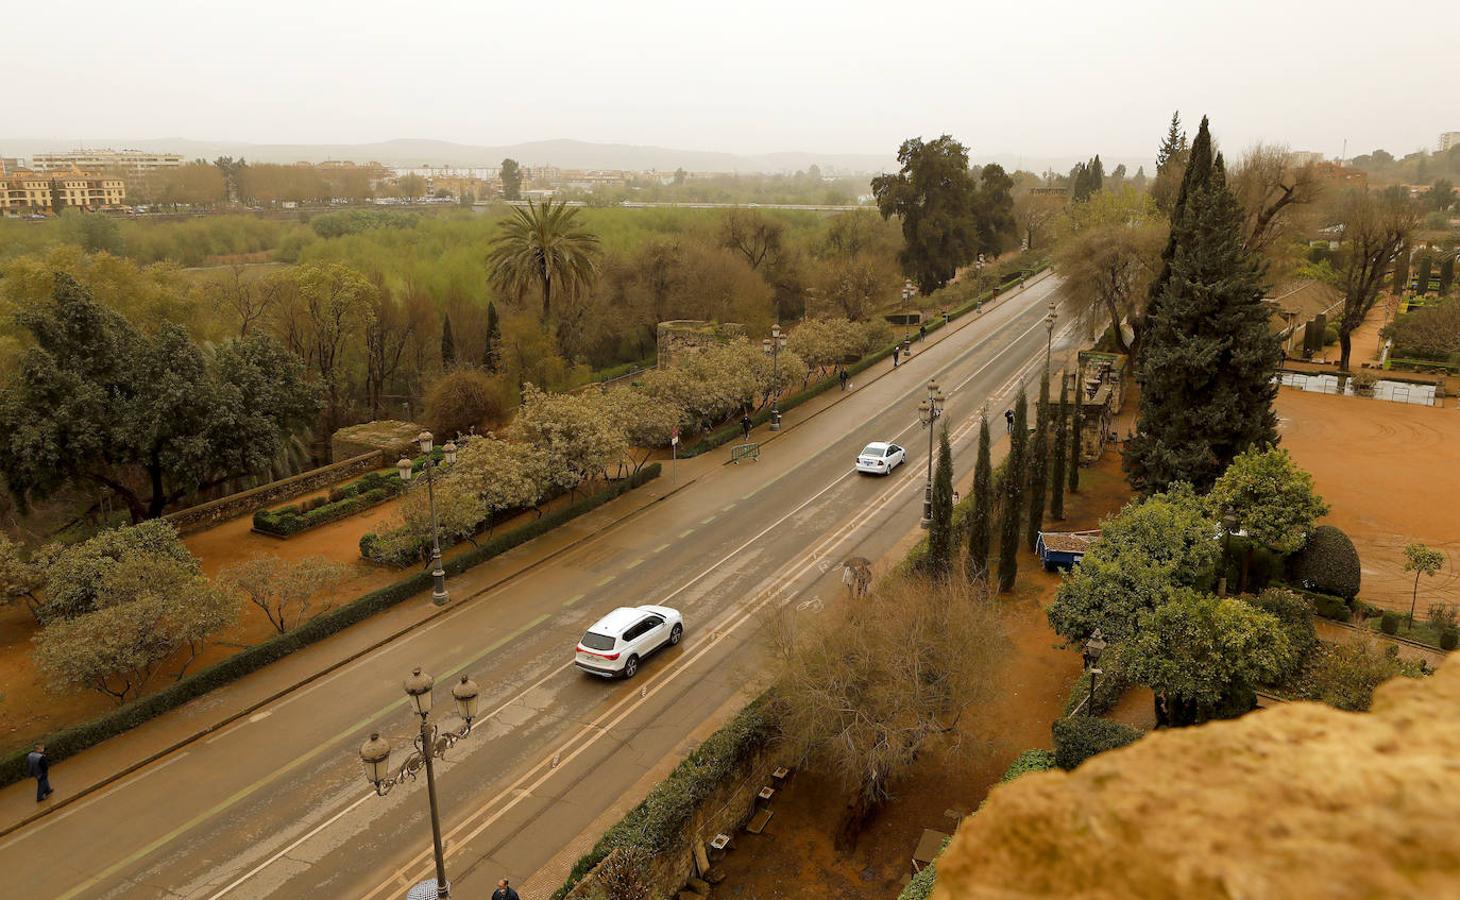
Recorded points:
(745,426)
(504,892)
(922,333)
(1009,419)
(38,766)
(843,377)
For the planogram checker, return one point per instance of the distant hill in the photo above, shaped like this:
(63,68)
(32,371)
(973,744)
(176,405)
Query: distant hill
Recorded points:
(568,154)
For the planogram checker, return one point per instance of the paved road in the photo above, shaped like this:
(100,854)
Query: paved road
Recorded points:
(275,805)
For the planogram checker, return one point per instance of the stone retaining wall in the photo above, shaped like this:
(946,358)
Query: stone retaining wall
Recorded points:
(726,809)
(206,515)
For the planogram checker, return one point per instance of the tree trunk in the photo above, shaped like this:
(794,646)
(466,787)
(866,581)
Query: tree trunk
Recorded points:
(1345,348)
(854,822)
(158,501)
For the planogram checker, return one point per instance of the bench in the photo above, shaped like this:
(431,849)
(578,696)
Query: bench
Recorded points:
(759,821)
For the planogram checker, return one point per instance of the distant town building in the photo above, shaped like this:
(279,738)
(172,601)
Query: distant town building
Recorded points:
(1448,140)
(1304,157)
(135,161)
(28,192)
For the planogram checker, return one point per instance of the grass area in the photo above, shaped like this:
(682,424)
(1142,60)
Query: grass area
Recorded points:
(1423,632)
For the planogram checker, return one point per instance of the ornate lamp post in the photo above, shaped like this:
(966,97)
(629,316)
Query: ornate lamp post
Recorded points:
(773,346)
(1229,525)
(1049,338)
(438,592)
(1094,644)
(431,743)
(930,409)
(908,293)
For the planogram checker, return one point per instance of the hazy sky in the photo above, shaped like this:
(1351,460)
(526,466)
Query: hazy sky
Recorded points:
(1035,78)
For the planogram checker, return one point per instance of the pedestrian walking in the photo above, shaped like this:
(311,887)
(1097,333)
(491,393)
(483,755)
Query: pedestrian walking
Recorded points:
(745,426)
(1009,419)
(843,378)
(922,332)
(38,766)
(896,352)
(504,891)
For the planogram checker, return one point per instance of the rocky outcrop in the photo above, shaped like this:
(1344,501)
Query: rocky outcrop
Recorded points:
(1301,800)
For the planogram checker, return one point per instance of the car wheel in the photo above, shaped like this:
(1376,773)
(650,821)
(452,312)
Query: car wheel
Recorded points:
(675,634)
(631,667)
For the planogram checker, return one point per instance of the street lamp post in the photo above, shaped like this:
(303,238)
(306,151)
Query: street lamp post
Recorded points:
(431,743)
(438,572)
(1229,525)
(1091,652)
(908,292)
(772,346)
(929,411)
(1049,339)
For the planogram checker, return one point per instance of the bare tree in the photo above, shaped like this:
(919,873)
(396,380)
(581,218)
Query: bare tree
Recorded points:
(863,686)
(1271,190)
(1036,215)
(389,325)
(752,234)
(1375,226)
(285,590)
(1110,252)
(249,300)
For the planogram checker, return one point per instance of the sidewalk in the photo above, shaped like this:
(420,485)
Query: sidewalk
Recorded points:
(79,777)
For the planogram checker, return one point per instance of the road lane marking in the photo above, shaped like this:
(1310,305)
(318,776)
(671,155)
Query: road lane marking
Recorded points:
(630,565)
(605,580)
(686,533)
(573,599)
(710,519)
(660,549)
(300,760)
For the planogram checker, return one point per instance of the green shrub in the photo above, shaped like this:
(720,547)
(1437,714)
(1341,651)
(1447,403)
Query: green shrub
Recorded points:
(658,824)
(921,886)
(1327,564)
(1449,638)
(73,740)
(1296,615)
(1367,610)
(1110,686)
(1330,336)
(1389,623)
(1077,738)
(1029,761)
(1329,607)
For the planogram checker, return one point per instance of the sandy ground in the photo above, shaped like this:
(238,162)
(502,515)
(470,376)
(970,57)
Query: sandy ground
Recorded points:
(1388,472)
(795,857)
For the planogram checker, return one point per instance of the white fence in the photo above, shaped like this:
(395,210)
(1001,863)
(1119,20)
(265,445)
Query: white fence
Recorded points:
(1393,391)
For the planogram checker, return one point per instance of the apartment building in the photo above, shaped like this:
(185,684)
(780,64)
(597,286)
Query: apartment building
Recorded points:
(1448,140)
(27,192)
(135,161)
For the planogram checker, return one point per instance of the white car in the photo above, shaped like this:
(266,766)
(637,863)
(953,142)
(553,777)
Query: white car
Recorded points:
(880,458)
(617,642)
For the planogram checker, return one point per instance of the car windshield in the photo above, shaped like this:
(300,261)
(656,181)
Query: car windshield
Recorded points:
(872,450)
(595,641)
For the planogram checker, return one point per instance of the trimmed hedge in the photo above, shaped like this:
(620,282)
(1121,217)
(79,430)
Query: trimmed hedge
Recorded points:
(342,503)
(1389,622)
(1329,606)
(657,824)
(1295,614)
(1029,761)
(1328,563)
(70,741)
(1077,738)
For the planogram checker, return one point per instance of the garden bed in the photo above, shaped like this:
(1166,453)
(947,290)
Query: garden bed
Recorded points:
(373,489)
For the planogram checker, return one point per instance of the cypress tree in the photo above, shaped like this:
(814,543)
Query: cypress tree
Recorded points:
(1013,495)
(1426,266)
(1075,422)
(1447,274)
(1038,466)
(1198,175)
(1401,271)
(492,350)
(1206,373)
(940,530)
(1057,459)
(981,527)
(448,344)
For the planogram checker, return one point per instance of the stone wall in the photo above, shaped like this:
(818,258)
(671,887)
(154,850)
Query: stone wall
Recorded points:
(394,438)
(206,515)
(726,810)
(683,336)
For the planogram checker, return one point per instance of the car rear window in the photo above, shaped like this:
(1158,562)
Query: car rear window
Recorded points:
(595,641)
(870,450)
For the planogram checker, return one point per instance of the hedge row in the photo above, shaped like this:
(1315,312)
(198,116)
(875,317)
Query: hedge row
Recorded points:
(727,433)
(1077,738)
(344,501)
(1109,687)
(658,824)
(70,741)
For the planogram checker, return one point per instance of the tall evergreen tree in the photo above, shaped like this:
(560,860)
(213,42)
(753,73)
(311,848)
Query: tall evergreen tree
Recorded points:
(981,526)
(1075,422)
(1057,458)
(448,344)
(1173,146)
(1196,176)
(492,350)
(940,530)
(1207,371)
(1038,466)
(1401,271)
(1013,503)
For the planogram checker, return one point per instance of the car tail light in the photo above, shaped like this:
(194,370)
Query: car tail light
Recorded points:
(610,656)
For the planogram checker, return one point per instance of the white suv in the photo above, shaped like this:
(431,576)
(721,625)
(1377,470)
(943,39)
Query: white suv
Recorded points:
(618,641)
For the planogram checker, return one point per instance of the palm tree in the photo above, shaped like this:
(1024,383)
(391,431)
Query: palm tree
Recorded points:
(543,246)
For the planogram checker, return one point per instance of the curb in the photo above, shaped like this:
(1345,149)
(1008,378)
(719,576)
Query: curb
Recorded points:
(946,331)
(332,667)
